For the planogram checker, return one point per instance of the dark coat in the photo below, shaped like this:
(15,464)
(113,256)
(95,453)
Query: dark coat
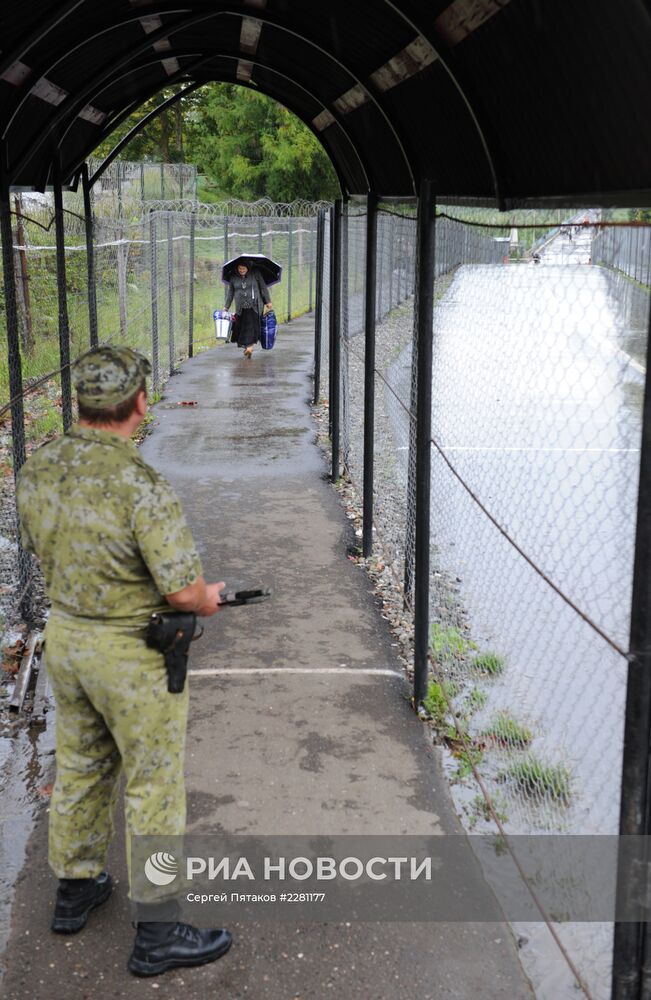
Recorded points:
(251,288)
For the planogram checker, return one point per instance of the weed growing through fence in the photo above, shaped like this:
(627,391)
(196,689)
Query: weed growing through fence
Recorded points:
(476,699)
(469,756)
(504,730)
(448,643)
(436,701)
(537,778)
(481,810)
(488,663)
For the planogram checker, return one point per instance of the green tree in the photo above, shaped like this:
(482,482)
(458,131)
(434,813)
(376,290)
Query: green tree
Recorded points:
(163,139)
(246,144)
(251,147)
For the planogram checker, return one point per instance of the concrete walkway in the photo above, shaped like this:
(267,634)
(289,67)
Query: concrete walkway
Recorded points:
(271,751)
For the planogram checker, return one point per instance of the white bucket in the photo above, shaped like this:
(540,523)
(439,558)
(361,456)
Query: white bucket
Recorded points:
(223,321)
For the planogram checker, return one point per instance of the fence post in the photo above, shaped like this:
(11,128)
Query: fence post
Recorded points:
(142,187)
(289,269)
(193,226)
(260,248)
(344,361)
(90,257)
(424,334)
(631,944)
(14,365)
(318,304)
(331,294)
(162,182)
(311,252)
(369,370)
(225,238)
(392,240)
(64,329)
(335,337)
(153,266)
(170,294)
(13,333)
(22,280)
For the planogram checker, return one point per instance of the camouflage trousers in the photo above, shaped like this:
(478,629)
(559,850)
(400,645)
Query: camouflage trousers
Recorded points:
(113,713)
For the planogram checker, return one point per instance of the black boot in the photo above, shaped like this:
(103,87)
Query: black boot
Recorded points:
(76,897)
(162,946)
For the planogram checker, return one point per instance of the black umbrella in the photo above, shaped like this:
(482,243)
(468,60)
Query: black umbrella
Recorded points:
(270,271)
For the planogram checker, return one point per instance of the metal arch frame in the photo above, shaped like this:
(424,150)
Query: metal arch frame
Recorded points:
(22,93)
(195,85)
(190,69)
(80,98)
(34,37)
(481,129)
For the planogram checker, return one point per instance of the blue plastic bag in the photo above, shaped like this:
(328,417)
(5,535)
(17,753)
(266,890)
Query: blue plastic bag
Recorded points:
(268,327)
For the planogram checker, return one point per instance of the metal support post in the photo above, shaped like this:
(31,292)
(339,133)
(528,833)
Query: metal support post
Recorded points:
(425,293)
(392,240)
(162,182)
(153,267)
(64,328)
(14,362)
(632,947)
(225,238)
(14,365)
(90,258)
(318,307)
(142,187)
(331,313)
(193,227)
(170,294)
(369,370)
(312,252)
(260,248)
(289,269)
(335,337)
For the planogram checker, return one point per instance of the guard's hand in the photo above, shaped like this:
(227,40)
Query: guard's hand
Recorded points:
(267,308)
(212,605)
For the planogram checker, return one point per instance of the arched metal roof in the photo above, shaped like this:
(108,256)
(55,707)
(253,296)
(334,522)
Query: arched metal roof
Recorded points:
(517,101)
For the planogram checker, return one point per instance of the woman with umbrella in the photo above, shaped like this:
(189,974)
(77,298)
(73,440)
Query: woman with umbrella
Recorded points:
(245,278)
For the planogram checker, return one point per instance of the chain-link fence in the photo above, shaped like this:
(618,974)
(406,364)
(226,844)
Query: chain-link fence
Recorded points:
(154,282)
(131,189)
(537,386)
(539,359)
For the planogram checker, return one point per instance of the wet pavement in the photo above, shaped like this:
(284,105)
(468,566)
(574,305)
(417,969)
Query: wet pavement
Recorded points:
(277,743)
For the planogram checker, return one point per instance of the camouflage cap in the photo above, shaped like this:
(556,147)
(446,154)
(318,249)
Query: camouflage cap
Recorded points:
(107,376)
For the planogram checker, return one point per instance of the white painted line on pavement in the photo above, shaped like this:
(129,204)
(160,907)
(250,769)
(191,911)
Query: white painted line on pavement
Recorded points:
(219,671)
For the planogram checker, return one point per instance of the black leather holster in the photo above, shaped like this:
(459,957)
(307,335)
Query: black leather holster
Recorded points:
(171,634)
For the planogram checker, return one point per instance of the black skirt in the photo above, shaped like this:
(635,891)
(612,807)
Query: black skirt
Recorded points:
(247,328)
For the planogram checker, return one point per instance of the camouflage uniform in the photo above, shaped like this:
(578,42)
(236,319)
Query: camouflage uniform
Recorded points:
(111,539)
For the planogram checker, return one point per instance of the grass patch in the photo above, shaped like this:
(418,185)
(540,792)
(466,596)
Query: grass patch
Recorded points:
(488,663)
(536,778)
(476,699)
(505,731)
(436,701)
(448,643)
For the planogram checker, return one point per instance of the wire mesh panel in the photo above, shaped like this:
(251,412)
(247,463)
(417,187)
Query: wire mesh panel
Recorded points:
(537,386)
(538,377)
